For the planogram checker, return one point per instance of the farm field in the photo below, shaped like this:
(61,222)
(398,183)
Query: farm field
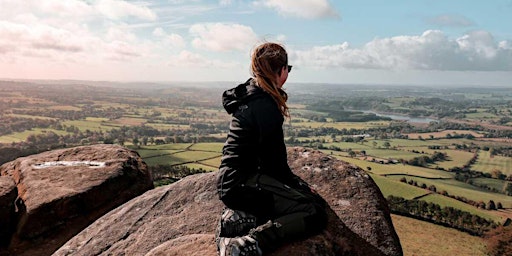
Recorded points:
(22,136)
(457,188)
(173,127)
(486,163)
(442,134)
(387,169)
(420,238)
(444,201)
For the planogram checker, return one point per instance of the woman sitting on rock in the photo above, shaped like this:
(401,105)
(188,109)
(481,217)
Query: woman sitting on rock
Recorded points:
(267,205)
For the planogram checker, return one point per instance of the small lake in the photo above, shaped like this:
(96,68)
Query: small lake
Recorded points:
(403,118)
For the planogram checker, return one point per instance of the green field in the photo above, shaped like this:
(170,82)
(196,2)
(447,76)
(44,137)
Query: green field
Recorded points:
(214,147)
(420,238)
(458,188)
(341,125)
(391,187)
(90,124)
(444,201)
(148,153)
(386,169)
(198,155)
(22,136)
(486,163)
(492,183)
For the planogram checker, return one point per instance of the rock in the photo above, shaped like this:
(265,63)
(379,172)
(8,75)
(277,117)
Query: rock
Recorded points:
(180,219)
(8,194)
(62,191)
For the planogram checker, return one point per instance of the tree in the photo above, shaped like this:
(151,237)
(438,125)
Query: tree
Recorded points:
(491,205)
(507,188)
(387,144)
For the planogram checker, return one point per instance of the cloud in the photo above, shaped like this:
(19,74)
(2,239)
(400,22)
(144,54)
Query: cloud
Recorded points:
(173,40)
(433,50)
(117,9)
(189,59)
(17,36)
(310,9)
(223,37)
(450,20)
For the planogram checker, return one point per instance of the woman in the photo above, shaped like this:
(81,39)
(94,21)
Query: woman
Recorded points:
(267,205)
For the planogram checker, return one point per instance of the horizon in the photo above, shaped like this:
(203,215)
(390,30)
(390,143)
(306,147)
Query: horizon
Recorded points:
(413,43)
(229,84)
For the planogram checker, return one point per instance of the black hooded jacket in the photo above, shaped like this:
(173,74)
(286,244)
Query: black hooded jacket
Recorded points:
(255,142)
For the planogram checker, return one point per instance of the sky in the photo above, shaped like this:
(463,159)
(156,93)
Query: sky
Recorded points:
(407,42)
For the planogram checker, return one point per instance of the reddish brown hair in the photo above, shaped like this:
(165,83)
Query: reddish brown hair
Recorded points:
(267,61)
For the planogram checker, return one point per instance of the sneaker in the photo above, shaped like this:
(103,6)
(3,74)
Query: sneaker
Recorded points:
(235,223)
(238,246)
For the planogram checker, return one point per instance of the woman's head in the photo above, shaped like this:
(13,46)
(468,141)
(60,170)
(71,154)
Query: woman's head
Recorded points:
(269,66)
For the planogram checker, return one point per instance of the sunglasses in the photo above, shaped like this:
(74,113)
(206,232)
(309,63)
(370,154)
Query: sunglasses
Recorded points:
(289,68)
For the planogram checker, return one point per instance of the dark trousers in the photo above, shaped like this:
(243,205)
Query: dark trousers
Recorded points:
(293,209)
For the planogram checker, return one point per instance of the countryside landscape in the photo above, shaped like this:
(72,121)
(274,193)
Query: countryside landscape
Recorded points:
(442,156)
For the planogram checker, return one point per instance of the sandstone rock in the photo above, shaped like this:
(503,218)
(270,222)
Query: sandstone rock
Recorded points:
(63,191)
(180,219)
(8,194)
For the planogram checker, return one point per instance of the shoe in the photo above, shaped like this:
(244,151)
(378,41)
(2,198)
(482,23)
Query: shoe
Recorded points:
(238,246)
(235,223)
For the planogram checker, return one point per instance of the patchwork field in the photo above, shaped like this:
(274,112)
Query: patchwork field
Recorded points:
(420,238)
(488,163)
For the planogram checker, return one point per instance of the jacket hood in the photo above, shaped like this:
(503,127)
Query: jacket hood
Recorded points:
(235,97)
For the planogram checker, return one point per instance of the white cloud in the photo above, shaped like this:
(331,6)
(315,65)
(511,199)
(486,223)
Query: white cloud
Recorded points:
(122,51)
(194,60)
(158,32)
(223,37)
(173,40)
(432,50)
(117,9)
(38,36)
(310,9)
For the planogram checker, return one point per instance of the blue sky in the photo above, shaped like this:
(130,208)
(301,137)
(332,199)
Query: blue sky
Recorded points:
(436,42)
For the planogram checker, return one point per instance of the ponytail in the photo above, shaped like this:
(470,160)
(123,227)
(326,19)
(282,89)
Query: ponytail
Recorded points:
(267,62)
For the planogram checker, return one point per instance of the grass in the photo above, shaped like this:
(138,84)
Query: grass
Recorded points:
(444,201)
(423,238)
(397,168)
(180,157)
(442,134)
(486,163)
(88,124)
(493,183)
(341,125)
(214,147)
(145,153)
(212,162)
(31,116)
(396,188)
(457,158)
(22,136)
(175,146)
(454,187)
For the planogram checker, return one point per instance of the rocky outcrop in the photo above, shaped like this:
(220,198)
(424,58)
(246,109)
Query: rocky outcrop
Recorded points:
(60,192)
(180,219)
(8,194)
